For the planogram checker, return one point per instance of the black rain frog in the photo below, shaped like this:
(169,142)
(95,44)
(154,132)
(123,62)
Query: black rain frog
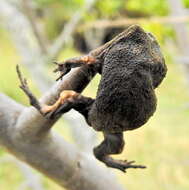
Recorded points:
(131,67)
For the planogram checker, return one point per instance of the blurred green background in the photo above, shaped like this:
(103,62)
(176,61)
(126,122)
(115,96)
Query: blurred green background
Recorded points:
(163,143)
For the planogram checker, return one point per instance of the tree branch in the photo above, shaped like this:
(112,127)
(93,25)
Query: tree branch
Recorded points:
(27,8)
(24,86)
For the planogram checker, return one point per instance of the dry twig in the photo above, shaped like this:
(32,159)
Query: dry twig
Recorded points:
(24,86)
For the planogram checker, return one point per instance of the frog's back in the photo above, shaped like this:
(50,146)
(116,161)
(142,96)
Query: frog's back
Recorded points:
(125,98)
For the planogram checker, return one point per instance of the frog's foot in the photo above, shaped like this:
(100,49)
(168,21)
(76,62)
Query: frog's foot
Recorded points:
(66,66)
(113,144)
(46,109)
(65,97)
(122,165)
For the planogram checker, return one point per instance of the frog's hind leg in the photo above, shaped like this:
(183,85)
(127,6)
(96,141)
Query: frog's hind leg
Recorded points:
(113,144)
(69,99)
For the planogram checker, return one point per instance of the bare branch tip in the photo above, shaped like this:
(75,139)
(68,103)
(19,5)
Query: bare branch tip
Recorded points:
(23,81)
(24,86)
(18,71)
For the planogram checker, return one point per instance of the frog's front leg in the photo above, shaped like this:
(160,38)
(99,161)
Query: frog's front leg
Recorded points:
(68,100)
(66,66)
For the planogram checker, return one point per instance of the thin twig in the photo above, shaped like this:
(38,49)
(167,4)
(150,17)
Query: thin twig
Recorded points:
(24,86)
(32,20)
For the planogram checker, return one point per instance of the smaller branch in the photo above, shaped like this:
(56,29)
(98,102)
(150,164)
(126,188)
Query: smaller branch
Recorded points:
(24,86)
(32,20)
(128,21)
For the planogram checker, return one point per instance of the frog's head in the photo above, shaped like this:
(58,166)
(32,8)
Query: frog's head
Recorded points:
(134,40)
